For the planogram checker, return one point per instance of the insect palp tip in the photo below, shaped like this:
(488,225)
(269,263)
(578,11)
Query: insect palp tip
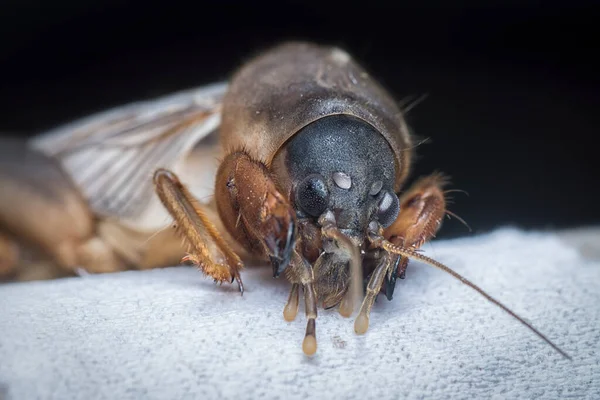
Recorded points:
(309,344)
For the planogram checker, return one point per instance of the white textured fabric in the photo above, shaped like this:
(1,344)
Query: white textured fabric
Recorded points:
(173,334)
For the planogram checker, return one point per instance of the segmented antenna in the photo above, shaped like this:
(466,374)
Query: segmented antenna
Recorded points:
(411,253)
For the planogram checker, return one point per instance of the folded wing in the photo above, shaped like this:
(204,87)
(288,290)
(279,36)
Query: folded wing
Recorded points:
(111,156)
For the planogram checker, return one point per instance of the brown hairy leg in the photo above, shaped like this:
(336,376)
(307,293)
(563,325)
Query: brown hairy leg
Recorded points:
(197,231)
(259,217)
(250,208)
(422,208)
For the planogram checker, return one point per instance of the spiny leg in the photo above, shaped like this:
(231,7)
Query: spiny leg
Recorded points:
(196,229)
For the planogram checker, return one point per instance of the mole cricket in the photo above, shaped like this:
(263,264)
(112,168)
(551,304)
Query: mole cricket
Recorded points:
(298,161)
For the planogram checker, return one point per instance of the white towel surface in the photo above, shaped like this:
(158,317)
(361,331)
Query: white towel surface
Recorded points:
(173,334)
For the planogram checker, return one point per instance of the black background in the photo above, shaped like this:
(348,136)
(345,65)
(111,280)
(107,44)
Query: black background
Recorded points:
(513,86)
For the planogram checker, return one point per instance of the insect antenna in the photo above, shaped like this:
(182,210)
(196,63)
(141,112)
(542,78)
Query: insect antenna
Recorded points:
(410,253)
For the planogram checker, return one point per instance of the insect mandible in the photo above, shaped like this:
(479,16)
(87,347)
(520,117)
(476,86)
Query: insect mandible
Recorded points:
(313,153)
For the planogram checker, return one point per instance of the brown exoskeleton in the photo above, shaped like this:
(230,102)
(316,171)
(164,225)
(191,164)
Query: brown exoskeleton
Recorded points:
(313,155)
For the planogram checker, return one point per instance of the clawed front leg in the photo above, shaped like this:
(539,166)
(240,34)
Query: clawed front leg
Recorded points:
(253,210)
(422,209)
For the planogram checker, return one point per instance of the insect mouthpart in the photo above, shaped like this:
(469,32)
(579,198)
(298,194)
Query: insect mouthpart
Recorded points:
(281,256)
(338,272)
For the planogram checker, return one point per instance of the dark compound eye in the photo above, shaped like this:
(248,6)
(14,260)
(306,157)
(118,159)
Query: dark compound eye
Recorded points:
(389,206)
(312,195)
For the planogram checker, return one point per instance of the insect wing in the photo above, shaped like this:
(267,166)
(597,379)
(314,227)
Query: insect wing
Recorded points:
(111,156)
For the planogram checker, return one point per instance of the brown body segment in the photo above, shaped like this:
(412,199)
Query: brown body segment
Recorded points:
(41,211)
(280,92)
(48,230)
